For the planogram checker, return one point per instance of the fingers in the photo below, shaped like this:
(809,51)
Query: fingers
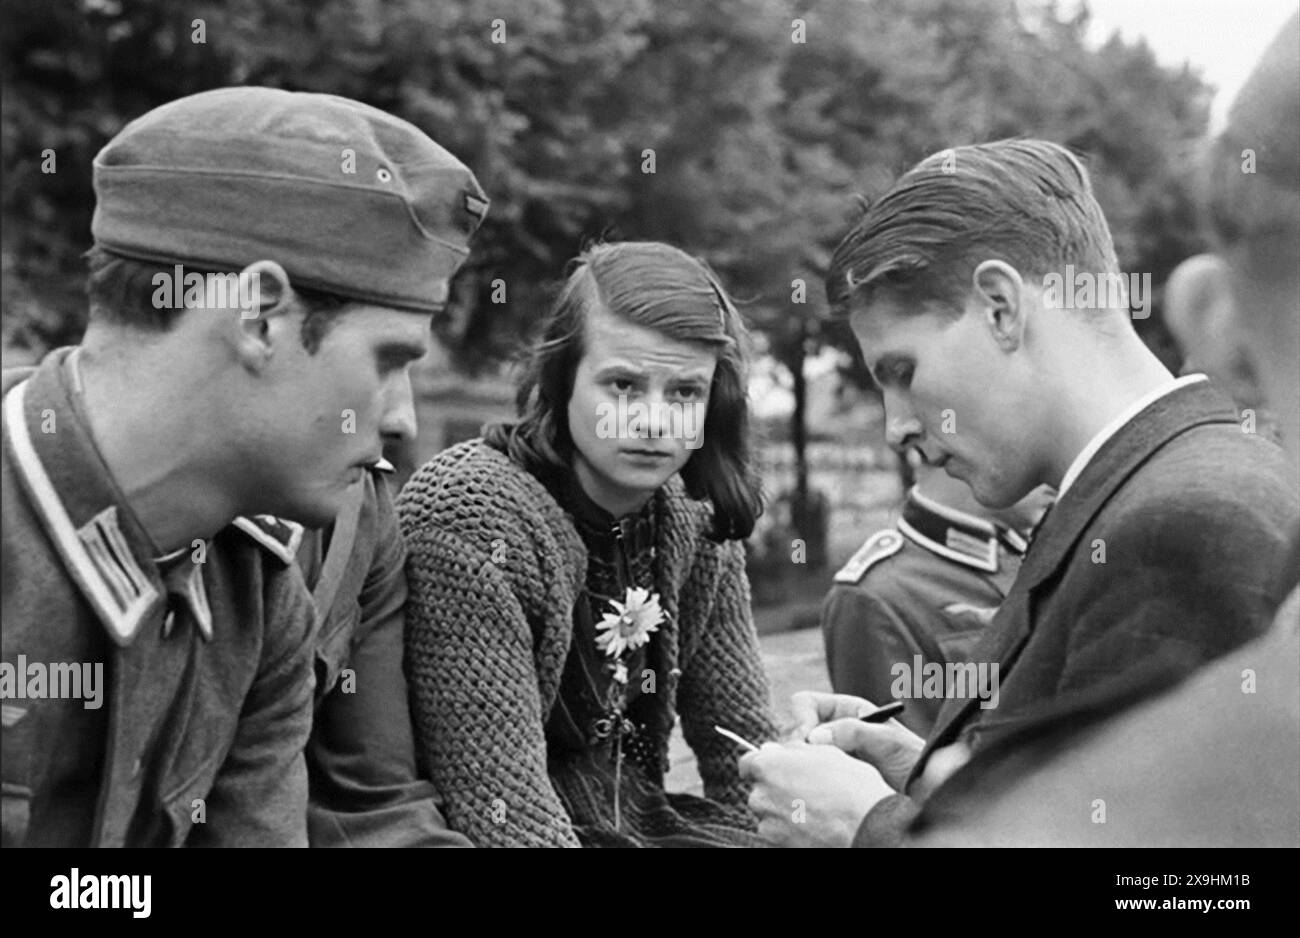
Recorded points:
(774,771)
(811,795)
(806,705)
(751,766)
(890,747)
(812,708)
(860,740)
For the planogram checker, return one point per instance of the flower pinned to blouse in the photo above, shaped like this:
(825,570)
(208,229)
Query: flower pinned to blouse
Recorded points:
(628,627)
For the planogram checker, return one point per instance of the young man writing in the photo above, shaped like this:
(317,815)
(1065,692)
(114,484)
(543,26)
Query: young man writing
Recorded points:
(1158,554)
(1215,761)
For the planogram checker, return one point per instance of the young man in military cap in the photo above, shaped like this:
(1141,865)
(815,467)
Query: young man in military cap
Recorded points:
(918,595)
(157,479)
(1169,522)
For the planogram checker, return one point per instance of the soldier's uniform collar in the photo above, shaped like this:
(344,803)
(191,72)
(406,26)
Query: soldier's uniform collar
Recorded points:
(957,535)
(104,547)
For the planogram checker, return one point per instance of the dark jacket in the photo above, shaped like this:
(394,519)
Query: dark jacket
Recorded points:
(200,733)
(365,790)
(1191,517)
(1243,793)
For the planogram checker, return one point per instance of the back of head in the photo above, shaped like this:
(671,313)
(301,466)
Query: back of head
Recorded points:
(1026,202)
(1251,191)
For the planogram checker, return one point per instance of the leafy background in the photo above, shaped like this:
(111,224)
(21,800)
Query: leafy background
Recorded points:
(761,144)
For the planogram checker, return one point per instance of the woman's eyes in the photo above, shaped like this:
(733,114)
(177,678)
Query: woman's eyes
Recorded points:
(685,392)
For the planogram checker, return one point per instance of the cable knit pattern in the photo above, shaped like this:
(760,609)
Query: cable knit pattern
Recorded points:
(495,567)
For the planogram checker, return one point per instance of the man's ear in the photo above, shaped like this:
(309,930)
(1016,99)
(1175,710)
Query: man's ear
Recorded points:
(1199,310)
(999,293)
(265,296)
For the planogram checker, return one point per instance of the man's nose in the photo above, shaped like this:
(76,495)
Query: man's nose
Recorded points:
(656,424)
(902,428)
(399,409)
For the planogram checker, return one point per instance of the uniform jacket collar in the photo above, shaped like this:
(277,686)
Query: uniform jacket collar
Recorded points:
(957,535)
(103,545)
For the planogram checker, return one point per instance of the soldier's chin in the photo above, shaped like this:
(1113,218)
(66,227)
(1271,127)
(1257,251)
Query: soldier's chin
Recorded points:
(996,498)
(315,512)
(976,483)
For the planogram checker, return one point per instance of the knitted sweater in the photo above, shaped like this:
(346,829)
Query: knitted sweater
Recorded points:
(495,567)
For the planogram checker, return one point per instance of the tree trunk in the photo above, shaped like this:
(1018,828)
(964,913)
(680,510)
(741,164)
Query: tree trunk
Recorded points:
(798,423)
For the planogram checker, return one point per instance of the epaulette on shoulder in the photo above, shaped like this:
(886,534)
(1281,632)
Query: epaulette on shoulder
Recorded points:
(880,545)
(277,535)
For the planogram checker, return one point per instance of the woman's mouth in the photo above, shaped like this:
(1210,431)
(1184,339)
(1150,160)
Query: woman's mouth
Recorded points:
(645,455)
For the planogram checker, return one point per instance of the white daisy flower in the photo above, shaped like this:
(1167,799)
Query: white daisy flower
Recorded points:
(630,625)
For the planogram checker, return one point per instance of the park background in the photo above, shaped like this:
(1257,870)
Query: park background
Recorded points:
(767,119)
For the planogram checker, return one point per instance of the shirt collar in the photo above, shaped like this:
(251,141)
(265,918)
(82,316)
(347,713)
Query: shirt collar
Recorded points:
(1105,433)
(183,576)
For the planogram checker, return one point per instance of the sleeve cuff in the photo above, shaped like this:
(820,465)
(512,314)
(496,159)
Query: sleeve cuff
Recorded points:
(886,823)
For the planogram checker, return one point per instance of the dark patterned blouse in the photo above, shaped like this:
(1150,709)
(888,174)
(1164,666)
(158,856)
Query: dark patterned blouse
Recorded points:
(602,735)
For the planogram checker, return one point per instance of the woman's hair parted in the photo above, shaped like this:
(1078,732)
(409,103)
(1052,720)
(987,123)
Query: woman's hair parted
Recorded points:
(655,286)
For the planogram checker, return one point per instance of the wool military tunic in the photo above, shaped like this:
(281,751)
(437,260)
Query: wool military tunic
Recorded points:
(207,656)
(365,788)
(918,594)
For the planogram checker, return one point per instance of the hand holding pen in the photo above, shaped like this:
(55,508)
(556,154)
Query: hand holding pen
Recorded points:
(887,712)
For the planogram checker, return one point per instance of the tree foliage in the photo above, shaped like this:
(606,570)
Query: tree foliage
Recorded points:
(760,142)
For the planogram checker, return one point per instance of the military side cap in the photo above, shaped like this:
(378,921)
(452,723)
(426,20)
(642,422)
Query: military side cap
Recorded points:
(348,199)
(880,545)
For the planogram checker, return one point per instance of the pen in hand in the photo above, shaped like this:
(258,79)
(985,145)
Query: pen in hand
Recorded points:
(888,711)
(879,715)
